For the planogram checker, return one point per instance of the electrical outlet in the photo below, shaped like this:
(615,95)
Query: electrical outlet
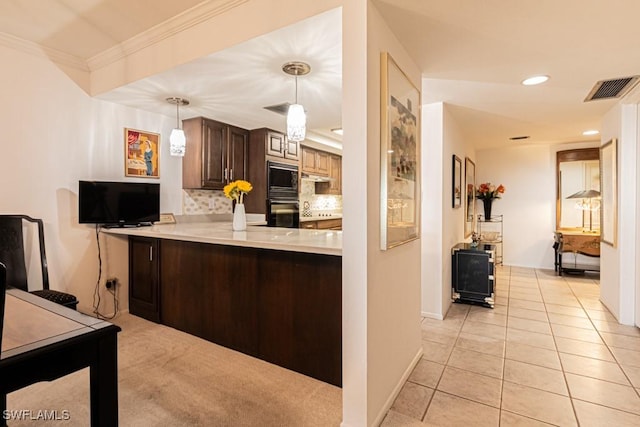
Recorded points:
(111,283)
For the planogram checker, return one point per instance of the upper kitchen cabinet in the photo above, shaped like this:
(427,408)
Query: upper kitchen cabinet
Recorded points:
(278,145)
(216,154)
(266,144)
(314,162)
(334,186)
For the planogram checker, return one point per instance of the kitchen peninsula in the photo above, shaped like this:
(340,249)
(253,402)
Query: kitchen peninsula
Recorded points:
(272,293)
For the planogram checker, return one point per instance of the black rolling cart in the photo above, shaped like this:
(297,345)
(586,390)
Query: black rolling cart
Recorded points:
(473,274)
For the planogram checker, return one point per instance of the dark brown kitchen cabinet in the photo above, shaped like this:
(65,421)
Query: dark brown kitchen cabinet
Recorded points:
(266,144)
(216,154)
(278,145)
(282,307)
(144,278)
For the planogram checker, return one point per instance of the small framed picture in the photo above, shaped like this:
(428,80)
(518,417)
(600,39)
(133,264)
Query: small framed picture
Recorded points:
(142,154)
(166,218)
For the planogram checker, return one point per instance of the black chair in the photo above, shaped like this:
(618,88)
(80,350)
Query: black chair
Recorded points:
(12,254)
(3,288)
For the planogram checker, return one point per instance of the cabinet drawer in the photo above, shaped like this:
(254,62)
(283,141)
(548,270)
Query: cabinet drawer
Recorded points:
(330,223)
(309,224)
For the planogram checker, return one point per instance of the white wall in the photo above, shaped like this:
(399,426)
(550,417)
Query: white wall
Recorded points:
(442,225)
(432,211)
(389,281)
(529,203)
(55,135)
(618,277)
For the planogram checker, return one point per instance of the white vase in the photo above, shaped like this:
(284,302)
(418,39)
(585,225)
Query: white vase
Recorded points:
(239,218)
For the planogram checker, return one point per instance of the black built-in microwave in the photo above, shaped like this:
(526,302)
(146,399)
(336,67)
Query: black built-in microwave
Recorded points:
(282,181)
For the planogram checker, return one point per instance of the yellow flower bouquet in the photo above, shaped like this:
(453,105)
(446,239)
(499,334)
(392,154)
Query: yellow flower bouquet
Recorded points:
(237,189)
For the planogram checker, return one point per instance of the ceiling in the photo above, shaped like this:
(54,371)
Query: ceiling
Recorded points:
(473,56)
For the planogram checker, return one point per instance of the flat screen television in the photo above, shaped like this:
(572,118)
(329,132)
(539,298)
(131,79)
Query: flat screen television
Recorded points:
(118,203)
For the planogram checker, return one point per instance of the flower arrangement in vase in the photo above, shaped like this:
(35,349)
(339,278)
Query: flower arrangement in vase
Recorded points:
(487,193)
(236,191)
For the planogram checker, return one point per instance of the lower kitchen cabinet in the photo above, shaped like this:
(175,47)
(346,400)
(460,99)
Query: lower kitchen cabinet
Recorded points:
(144,278)
(282,307)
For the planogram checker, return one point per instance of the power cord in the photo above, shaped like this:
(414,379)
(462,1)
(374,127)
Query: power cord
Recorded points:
(96,291)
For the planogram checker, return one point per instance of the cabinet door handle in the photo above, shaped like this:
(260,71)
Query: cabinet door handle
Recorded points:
(150,253)
(231,175)
(225,174)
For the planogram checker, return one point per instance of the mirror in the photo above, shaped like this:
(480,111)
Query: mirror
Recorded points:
(578,190)
(469,205)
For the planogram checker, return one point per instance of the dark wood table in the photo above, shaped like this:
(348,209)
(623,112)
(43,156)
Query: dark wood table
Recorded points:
(43,341)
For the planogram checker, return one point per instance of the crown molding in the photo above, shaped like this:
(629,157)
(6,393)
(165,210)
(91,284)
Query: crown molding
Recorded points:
(157,33)
(35,49)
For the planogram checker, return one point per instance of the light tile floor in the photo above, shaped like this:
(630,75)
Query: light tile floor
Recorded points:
(549,353)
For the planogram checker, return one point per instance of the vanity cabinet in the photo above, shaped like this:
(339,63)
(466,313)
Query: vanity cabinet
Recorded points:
(216,154)
(144,278)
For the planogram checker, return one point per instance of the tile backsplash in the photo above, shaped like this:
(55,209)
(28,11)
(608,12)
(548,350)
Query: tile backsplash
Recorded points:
(319,203)
(199,202)
(202,202)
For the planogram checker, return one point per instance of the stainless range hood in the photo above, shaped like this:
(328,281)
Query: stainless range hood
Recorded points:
(315,178)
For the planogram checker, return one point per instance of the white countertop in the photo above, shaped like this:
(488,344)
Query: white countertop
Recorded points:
(326,242)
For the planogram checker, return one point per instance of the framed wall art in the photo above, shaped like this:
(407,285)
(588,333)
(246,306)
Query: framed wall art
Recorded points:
(456,186)
(609,192)
(399,154)
(142,154)
(469,204)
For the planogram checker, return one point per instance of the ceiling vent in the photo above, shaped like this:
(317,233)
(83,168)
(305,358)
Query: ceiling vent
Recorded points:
(281,109)
(615,88)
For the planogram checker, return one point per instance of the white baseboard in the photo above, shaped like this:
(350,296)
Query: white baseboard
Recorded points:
(397,388)
(432,315)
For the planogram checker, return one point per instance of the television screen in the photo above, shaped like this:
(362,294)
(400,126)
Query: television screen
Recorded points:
(118,203)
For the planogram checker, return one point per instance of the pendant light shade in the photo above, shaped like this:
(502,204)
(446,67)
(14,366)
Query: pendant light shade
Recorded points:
(296,117)
(177,139)
(178,142)
(296,123)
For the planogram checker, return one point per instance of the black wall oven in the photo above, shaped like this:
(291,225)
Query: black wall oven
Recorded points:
(283,213)
(283,209)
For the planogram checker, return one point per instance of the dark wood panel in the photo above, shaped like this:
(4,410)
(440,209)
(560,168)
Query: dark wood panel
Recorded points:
(215,152)
(301,313)
(238,153)
(210,291)
(283,307)
(144,278)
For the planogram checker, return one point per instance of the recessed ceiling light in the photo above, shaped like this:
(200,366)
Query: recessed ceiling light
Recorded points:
(535,80)
(590,132)
(337,130)
(518,138)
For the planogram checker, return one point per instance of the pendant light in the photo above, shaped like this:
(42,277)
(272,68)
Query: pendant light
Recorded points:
(296,117)
(177,140)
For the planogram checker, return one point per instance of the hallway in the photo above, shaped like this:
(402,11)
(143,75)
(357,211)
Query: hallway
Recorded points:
(548,354)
